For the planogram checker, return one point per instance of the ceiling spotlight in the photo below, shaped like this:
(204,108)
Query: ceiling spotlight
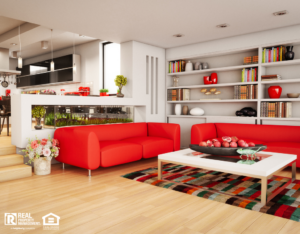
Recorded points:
(178,35)
(222,26)
(279,13)
(81,35)
(13,44)
(44,45)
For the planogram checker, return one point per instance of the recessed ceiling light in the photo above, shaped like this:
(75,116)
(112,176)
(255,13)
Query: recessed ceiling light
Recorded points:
(178,35)
(13,44)
(81,35)
(279,13)
(222,26)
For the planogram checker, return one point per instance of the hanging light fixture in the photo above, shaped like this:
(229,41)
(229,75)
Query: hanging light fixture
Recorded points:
(20,61)
(74,64)
(52,63)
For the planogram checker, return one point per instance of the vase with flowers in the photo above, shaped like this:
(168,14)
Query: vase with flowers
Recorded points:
(41,152)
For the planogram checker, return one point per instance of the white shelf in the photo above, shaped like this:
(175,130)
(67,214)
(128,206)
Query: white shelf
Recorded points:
(232,68)
(280,119)
(213,85)
(209,116)
(210,100)
(281,63)
(281,81)
(281,100)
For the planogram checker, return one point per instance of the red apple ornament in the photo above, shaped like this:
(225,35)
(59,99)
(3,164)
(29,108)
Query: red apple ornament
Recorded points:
(234,139)
(203,143)
(217,144)
(225,144)
(233,144)
(226,138)
(241,143)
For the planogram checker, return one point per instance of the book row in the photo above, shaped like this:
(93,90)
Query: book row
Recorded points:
(245,92)
(273,54)
(178,94)
(276,109)
(177,66)
(249,74)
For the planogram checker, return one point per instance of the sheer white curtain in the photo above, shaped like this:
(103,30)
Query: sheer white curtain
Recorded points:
(111,66)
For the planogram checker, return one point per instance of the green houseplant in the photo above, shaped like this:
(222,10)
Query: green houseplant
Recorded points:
(103,92)
(120,81)
(38,113)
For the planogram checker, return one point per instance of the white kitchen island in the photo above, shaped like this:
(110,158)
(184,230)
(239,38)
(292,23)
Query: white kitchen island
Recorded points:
(21,120)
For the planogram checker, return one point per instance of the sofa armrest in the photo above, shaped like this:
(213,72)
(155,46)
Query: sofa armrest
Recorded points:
(166,130)
(202,132)
(78,147)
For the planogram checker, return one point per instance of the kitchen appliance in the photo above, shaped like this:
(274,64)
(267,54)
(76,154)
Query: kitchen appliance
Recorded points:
(85,91)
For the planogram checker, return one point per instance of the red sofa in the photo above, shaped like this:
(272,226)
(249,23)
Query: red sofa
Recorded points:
(96,146)
(278,139)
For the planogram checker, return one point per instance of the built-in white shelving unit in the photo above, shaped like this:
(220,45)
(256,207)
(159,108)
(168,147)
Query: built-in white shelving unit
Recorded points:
(229,66)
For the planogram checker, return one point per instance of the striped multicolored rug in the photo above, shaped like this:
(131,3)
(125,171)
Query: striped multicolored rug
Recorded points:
(239,189)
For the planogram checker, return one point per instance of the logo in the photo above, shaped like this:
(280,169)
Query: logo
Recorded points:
(51,220)
(10,218)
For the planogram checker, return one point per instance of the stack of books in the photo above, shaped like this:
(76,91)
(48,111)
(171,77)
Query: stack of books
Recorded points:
(177,66)
(270,77)
(178,95)
(251,60)
(273,54)
(249,74)
(276,109)
(245,92)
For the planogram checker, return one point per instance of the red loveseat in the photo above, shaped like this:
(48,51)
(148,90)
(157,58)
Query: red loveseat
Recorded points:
(96,146)
(278,138)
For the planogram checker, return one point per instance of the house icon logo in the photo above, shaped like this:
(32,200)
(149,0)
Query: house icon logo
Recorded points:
(51,219)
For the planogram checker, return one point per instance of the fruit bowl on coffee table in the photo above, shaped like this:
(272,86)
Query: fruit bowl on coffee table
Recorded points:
(224,151)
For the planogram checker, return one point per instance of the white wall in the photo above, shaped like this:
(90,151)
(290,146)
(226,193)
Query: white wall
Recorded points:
(134,67)
(91,66)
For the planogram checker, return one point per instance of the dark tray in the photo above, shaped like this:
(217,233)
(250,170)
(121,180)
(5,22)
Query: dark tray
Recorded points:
(224,151)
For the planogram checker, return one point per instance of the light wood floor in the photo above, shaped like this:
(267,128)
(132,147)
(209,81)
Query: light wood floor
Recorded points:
(108,203)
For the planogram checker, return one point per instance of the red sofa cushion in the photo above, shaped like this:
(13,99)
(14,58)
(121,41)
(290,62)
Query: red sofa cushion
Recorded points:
(117,152)
(111,132)
(266,133)
(202,132)
(152,146)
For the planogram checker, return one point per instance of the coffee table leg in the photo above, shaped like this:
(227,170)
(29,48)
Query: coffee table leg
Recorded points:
(159,168)
(293,171)
(264,190)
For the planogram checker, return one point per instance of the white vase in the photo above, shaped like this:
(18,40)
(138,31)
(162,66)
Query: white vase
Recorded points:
(42,166)
(178,109)
(189,66)
(197,111)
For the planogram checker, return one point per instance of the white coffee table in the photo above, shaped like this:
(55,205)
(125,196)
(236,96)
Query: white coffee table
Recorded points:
(263,169)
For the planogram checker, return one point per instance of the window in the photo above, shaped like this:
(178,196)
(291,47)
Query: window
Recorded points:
(111,65)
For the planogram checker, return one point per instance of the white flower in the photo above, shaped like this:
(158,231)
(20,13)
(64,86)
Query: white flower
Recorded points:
(49,144)
(31,155)
(39,149)
(46,152)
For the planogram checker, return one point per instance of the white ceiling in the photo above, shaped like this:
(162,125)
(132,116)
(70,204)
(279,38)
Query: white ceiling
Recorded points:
(155,21)
(7,24)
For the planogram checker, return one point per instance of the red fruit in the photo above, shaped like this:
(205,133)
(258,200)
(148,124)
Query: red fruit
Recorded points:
(210,144)
(246,145)
(217,144)
(226,138)
(203,143)
(241,143)
(225,144)
(233,144)
(234,139)
(251,144)
(214,140)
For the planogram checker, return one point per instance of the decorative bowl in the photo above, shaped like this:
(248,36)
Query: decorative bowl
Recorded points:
(224,151)
(293,95)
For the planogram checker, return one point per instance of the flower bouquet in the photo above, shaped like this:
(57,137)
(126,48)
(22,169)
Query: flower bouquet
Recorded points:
(41,152)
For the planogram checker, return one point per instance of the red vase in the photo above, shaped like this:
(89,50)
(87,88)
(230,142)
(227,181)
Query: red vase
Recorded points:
(274,91)
(206,80)
(214,78)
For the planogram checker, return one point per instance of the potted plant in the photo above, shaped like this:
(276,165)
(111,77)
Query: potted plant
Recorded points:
(120,81)
(41,152)
(38,112)
(103,92)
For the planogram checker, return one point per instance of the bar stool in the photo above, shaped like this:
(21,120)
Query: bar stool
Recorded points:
(5,113)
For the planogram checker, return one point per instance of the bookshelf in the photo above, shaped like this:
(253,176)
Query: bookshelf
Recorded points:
(228,65)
